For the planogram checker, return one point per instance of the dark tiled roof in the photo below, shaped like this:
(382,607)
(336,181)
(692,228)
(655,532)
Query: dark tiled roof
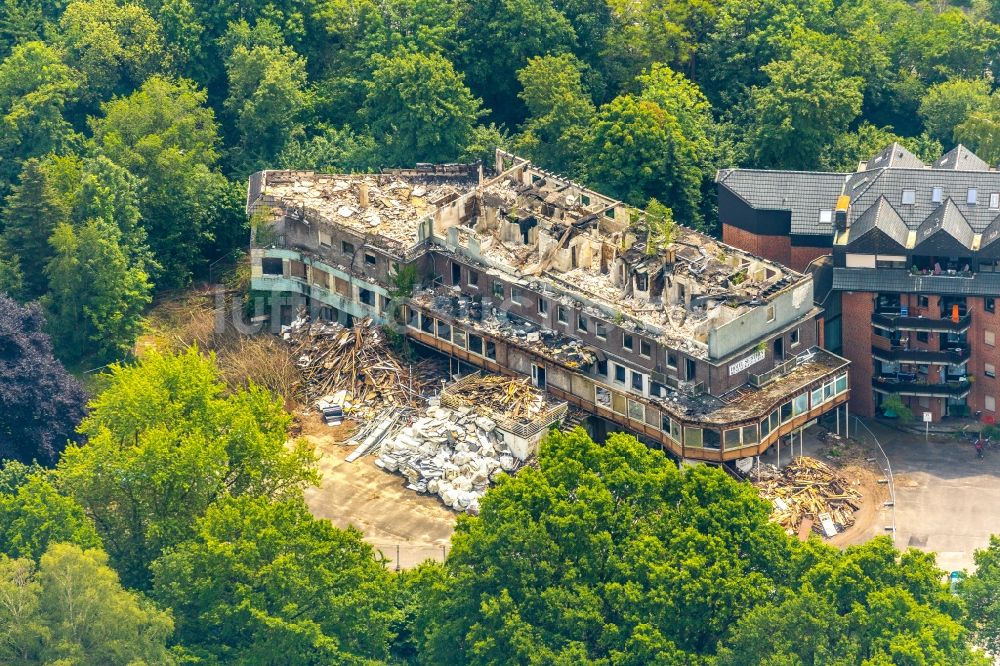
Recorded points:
(991,233)
(880,217)
(947,220)
(804,193)
(961,158)
(894,157)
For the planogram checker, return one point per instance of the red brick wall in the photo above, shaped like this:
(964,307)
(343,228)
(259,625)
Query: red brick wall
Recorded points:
(857,346)
(775,248)
(981,354)
(801,256)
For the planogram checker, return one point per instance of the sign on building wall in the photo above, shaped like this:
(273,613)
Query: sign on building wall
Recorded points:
(745,363)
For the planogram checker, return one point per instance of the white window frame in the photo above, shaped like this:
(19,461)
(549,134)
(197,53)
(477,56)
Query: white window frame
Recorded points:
(909,197)
(936,193)
(971,195)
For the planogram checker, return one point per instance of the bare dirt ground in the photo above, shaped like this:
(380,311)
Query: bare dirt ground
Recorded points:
(374,501)
(850,459)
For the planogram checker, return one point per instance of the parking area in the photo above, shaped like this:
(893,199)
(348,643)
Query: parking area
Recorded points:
(947,499)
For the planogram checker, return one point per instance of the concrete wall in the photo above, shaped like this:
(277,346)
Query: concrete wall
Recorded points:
(788,307)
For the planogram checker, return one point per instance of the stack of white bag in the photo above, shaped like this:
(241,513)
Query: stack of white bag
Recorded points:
(452,454)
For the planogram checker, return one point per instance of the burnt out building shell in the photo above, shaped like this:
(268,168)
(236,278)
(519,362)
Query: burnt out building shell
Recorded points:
(710,352)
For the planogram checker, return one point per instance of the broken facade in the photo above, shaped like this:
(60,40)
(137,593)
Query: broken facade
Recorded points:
(710,351)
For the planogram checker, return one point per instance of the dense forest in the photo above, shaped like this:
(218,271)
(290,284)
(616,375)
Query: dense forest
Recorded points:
(157,517)
(129,128)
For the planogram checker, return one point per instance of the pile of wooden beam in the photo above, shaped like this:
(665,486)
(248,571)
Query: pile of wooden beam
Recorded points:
(354,368)
(515,399)
(808,493)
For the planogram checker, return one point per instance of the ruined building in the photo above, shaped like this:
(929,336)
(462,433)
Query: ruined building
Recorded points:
(711,352)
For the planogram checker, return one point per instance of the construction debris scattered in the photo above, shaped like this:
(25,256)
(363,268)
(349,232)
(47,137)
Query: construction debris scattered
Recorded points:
(354,369)
(453,454)
(807,493)
(511,398)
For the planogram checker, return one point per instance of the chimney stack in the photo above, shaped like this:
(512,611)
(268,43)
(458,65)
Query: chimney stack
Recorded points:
(363,194)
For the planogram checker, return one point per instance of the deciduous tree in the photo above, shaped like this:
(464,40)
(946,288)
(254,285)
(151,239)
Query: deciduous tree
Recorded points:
(264,582)
(72,610)
(40,403)
(419,109)
(164,443)
(806,105)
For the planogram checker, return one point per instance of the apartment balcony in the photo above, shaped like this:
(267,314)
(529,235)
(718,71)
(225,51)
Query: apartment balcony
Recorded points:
(954,355)
(922,324)
(909,384)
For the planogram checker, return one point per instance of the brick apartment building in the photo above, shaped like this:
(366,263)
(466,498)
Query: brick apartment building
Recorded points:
(913,258)
(710,352)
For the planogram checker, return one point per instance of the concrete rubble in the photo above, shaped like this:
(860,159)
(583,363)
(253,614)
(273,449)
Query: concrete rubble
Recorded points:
(454,454)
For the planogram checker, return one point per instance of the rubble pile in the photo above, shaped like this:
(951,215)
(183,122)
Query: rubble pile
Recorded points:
(354,369)
(516,399)
(453,454)
(808,494)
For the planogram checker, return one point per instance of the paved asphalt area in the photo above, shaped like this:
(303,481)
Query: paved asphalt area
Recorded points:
(947,500)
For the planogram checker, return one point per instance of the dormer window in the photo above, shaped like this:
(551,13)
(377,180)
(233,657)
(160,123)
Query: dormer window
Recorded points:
(971,199)
(909,197)
(936,195)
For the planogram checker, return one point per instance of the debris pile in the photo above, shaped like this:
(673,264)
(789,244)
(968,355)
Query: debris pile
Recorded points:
(453,454)
(354,369)
(808,494)
(515,399)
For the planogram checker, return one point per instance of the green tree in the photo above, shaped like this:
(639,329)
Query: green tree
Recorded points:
(96,293)
(164,443)
(496,40)
(419,109)
(947,105)
(166,136)
(268,98)
(264,583)
(980,594)
(559,112)
(802,629)
(980,130)
(35,88)
(32,213)
(116,46)
(332,151)
(606,553)
(850,148)
(36,515)
(73,610)
(896,406)
(806,105)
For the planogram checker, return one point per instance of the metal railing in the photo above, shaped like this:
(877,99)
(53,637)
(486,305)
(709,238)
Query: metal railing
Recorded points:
(887,468)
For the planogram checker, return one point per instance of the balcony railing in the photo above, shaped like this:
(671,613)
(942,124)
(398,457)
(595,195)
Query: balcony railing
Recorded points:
(905,386)
(953,356)
(897,322)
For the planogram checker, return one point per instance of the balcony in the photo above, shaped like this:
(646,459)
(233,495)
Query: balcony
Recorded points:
(908,384)
(923,324)
(955,355)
